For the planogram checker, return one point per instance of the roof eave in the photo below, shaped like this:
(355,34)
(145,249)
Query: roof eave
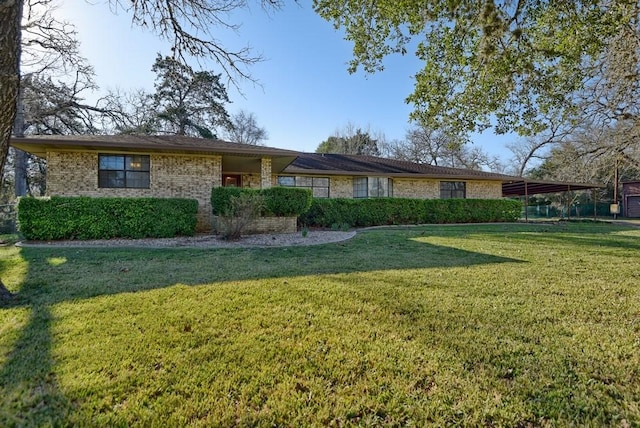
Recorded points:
(40,146)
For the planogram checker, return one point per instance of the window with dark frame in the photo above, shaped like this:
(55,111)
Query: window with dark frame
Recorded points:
(123,171)
(319,186)
(360,187)
(453,190)
(372,187)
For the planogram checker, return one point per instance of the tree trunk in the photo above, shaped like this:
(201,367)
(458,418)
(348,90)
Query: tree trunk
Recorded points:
(10,39)
(10,20)
(20,158)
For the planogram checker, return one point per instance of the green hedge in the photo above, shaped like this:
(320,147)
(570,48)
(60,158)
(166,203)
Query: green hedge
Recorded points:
(286,201)
(104,218)
(279,201)
(221,198)
(387,211)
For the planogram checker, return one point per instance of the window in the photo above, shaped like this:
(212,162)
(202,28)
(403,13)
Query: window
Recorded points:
(372,187)
(452,190)
(319,186)
(360,187)
(123,171)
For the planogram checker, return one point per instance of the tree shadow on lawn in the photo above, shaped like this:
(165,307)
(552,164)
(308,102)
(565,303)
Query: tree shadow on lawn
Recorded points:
(56,275)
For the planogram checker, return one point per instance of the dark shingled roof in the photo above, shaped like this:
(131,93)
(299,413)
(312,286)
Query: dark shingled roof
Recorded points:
(337,164)
(286,161)
(154,143)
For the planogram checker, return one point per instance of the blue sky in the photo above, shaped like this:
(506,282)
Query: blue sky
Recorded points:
(306,92)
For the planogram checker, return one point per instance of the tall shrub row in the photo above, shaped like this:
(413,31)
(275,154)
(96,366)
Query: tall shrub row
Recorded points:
(390,211)
(278,201)
(104,218)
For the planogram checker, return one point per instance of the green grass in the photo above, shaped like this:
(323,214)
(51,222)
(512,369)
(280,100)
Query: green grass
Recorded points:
(493,325)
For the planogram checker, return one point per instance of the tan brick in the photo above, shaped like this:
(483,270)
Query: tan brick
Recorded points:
(171,176)
(416,188)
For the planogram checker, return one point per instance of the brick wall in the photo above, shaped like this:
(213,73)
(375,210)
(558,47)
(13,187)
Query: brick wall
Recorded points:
(265,173)
(484,189)
(251,180)
(171,176)
(415,188)
(342,187)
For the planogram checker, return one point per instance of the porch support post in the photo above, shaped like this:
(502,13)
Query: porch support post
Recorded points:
(265,173)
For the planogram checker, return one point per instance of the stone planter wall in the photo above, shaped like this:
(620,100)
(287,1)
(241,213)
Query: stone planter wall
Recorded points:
(267,225)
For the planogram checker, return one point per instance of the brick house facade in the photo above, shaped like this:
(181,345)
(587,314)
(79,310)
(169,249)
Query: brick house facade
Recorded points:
(171,176)
(183,167)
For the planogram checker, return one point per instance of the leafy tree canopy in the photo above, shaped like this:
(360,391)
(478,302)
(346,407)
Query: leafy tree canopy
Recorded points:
(188,101)
(350,141)
(515,61)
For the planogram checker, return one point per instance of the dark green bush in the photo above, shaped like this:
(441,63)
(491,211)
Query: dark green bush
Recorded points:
(286,201)
(221,198)
(278,201)
(387,211)
(104,218)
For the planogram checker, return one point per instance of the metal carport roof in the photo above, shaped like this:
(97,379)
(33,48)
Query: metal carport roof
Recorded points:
(528,186)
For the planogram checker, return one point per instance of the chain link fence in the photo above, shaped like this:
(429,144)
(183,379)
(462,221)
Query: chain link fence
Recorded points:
(602,209)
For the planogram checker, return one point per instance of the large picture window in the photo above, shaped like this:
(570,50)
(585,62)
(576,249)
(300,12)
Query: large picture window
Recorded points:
(372,187)
(123,171)
(319,185)
(453,190)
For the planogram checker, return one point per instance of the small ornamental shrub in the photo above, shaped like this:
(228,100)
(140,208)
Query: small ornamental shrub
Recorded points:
(104,218)
(243,209)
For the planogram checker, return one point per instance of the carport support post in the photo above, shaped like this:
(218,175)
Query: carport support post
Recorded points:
(568,203)
(526,202)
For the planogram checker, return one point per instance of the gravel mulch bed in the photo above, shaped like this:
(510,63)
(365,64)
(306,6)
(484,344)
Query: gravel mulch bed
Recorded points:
(207,241)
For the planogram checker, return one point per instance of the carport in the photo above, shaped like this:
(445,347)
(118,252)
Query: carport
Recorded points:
(528,187)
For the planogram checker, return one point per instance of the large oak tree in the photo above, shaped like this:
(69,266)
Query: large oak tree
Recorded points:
(507,63)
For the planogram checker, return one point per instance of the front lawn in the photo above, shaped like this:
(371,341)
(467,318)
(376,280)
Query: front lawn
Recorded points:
(479,325)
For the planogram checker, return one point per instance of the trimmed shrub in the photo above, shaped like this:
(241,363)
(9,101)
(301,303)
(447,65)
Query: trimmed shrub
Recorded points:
(389,211)
(286,201)
(221,198)
(104,218)
(278,201)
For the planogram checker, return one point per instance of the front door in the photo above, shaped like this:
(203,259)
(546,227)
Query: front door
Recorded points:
(231,180)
